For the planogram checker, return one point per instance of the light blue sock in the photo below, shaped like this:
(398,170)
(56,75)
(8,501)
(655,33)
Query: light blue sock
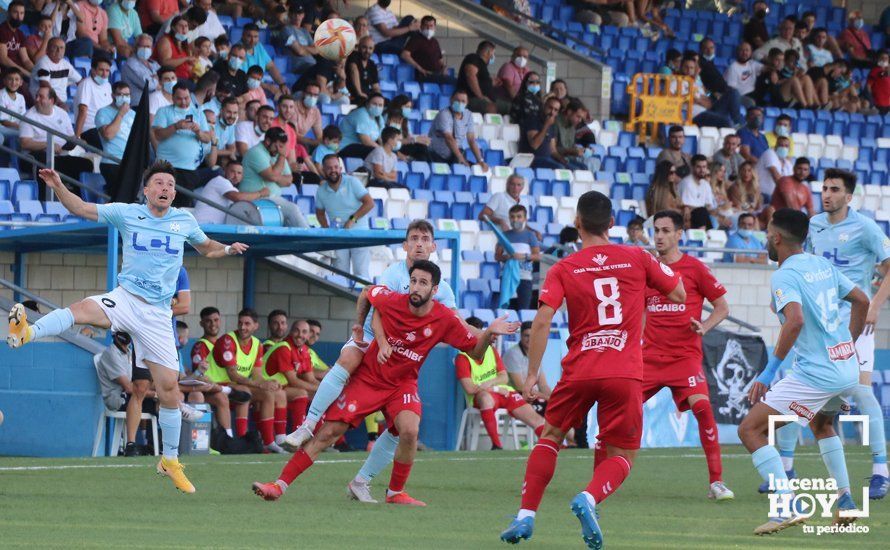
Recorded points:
(786,440)
(767,461)
(53,323)
(382,453)
(328,391)
(833,456)
(868,404)
(170,421)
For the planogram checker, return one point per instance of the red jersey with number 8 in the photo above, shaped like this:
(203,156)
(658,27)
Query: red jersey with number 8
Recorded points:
(604,288)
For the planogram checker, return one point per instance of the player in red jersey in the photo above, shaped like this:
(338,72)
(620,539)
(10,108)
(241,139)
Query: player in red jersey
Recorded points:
(672,353)
(406,328)
(288,362)
(603,286)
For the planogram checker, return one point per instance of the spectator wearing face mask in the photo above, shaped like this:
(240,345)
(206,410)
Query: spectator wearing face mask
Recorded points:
(855,41)
(474,78)
(362,127)
(249,133)
(163,96)
(389,34)
(306,117)
(123,26)
(672,61)
(172,49)
(140,68)
(93,93)
(230,70)
(513,72)
(255,90)
(753,141)
(526,250)
(879,82)
(774,164)
(114,123)
(422,51)
(744,239)
(782,128)
(381,163)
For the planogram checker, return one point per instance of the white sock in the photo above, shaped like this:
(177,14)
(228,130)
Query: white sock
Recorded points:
(281,484)
(879,469)
(589,498)
(279,439)
(525,514)
(310,423)
(787,462)
(226,390)
(392,493)
(361,480)
(229,432)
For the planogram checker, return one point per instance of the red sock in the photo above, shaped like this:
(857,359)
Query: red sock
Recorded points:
(280,421)
(491,426)
(297,464)
(399,476)
(607,477)
(266,431)
(599,454)
(539,430)
(710,442)
(297,410)
(240,427)
(538,473)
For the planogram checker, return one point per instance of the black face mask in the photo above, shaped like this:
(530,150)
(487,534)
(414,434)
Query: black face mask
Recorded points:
(384,3)
(760,14)
(15,23)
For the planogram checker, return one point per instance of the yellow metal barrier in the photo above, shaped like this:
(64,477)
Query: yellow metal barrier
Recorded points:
(659,99)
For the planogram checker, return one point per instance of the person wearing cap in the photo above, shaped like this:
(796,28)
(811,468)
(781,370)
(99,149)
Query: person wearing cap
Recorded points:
(297,40)
(265,165)
(855,41)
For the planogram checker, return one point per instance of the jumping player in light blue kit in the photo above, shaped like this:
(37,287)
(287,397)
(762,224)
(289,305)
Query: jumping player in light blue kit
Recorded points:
(153,237)
(854,244)
(419,245)
(807,295)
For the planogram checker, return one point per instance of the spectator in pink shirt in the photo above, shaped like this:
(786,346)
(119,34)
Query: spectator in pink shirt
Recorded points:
(92,30)
(512,73)
(855,41)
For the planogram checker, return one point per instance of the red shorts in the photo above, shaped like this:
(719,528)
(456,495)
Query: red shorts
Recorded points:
(619,410)
(683,375)
(362,397)
(511,401)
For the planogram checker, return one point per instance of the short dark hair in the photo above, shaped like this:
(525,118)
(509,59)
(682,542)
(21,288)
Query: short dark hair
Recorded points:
(99,59)
(254,69)
(792,223)
(275,135)
(783,117)
(429,267)
(802,160)
(200,41)
(699,158)
(849,178)
(331,131)
(229,101)
(744,215)
(636,222)
(251,27)
(265,108)
(16,3)
(595,212)
(422,226)
(388,133)
(159,166)
(518,208)
(196,14)
(427,19)
(568,234)
(275,313)
(119,85)
(181,325)
(485,45)
(675,129)
(181,86)
(526,325)
(221,40)
(285,97)
(672,215)
(314,323)
(208,311)
(249,312)
(164,70)
(475,322)
(328,157)
(672,54)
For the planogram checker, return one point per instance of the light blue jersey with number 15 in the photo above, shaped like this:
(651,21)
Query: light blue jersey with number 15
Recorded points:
(152,248)
(824,353)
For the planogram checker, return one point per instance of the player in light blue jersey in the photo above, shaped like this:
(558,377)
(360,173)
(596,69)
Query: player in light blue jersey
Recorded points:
(807,293)
(419,244)
(854,244)
(153,237)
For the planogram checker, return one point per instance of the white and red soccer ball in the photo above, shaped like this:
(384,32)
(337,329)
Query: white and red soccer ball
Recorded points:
(335,39)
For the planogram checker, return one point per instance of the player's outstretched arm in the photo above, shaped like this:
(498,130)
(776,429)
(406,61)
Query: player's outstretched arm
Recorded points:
(69,200)
(859,308)
(537,343)
(216,249)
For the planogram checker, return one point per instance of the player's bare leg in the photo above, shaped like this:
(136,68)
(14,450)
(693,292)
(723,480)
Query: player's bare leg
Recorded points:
(328,391)
(166,381)
(753,434)
(301,461)
(700,406)
(84,312)
(832,451)
(408,425)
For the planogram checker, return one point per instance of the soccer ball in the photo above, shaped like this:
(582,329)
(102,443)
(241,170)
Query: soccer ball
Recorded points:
(335,39)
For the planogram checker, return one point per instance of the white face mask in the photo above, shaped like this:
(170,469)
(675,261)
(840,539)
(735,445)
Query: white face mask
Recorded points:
(428,33)
(520,62)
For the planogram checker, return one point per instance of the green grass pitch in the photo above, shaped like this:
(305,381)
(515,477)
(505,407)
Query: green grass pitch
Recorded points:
(116,502)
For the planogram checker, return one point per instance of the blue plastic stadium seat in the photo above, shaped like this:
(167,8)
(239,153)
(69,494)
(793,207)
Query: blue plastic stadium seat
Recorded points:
(32,208)
(400,224)
(494,158)
(423,195)
(24,190)
(540,187)
(543,215)
(439,209)
(619,192)
(477,184)
(561,188)
(438,182)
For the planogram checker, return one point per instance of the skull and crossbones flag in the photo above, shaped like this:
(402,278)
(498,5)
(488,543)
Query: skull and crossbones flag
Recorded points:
(731,361)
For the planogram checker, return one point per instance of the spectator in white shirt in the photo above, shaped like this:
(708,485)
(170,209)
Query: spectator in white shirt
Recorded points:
(784,41)
(211,28)
(389,34)
(498,207)
(55,68)
(114,369)
(163,96)
(696,194)
(223,190)
(11,99)
(93,93)
(742,73)
(774,164)
(381,162)
(248,134)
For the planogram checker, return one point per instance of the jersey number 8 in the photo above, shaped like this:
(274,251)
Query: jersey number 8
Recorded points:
(609,308)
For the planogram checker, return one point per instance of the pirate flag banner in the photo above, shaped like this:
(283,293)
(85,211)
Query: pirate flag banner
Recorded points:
(731,363)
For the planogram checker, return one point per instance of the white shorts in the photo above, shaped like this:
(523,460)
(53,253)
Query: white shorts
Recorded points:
(150,327)
(865,349)
(794,397)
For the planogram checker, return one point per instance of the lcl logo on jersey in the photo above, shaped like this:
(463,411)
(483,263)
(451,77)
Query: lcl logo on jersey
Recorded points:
(835,259)
(156,244)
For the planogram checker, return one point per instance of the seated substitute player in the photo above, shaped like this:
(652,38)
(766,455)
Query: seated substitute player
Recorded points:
(288,363)
(603,286)
(672,352)
(854,243)
(153,235)
(407,327)
(806,295)
(485,385)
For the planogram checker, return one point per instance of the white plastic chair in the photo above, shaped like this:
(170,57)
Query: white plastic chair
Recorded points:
(510,429)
